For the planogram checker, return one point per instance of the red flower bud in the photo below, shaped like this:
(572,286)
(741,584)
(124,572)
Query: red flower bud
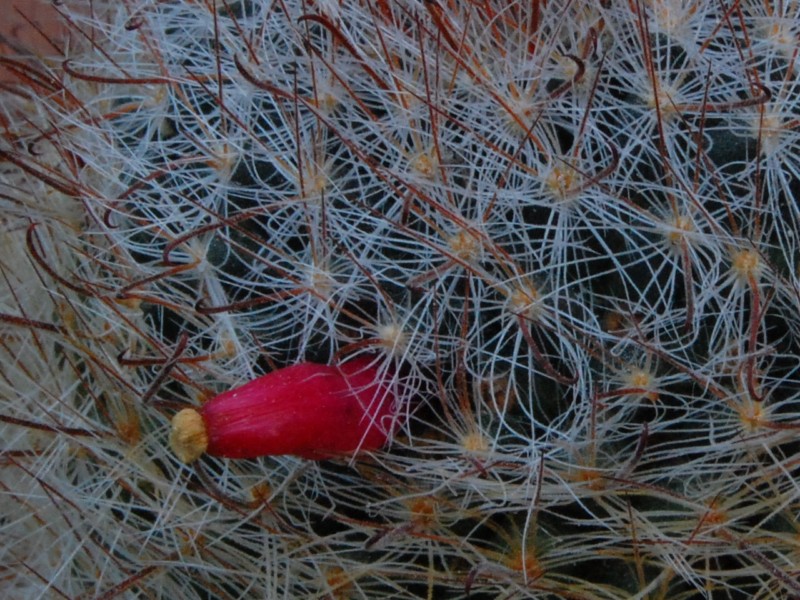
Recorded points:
(309,410)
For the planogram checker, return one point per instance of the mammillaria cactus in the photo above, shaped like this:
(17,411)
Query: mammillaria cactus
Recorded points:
(563,235)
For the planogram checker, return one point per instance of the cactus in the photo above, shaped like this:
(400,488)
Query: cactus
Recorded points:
(565,234)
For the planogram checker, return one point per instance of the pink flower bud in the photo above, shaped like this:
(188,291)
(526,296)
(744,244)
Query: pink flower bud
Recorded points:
(308,410)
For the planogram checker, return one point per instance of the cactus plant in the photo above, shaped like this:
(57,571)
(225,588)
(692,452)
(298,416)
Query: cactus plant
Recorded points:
(565,234)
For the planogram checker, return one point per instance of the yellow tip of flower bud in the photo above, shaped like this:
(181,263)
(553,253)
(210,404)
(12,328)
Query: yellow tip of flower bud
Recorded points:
(188,437)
